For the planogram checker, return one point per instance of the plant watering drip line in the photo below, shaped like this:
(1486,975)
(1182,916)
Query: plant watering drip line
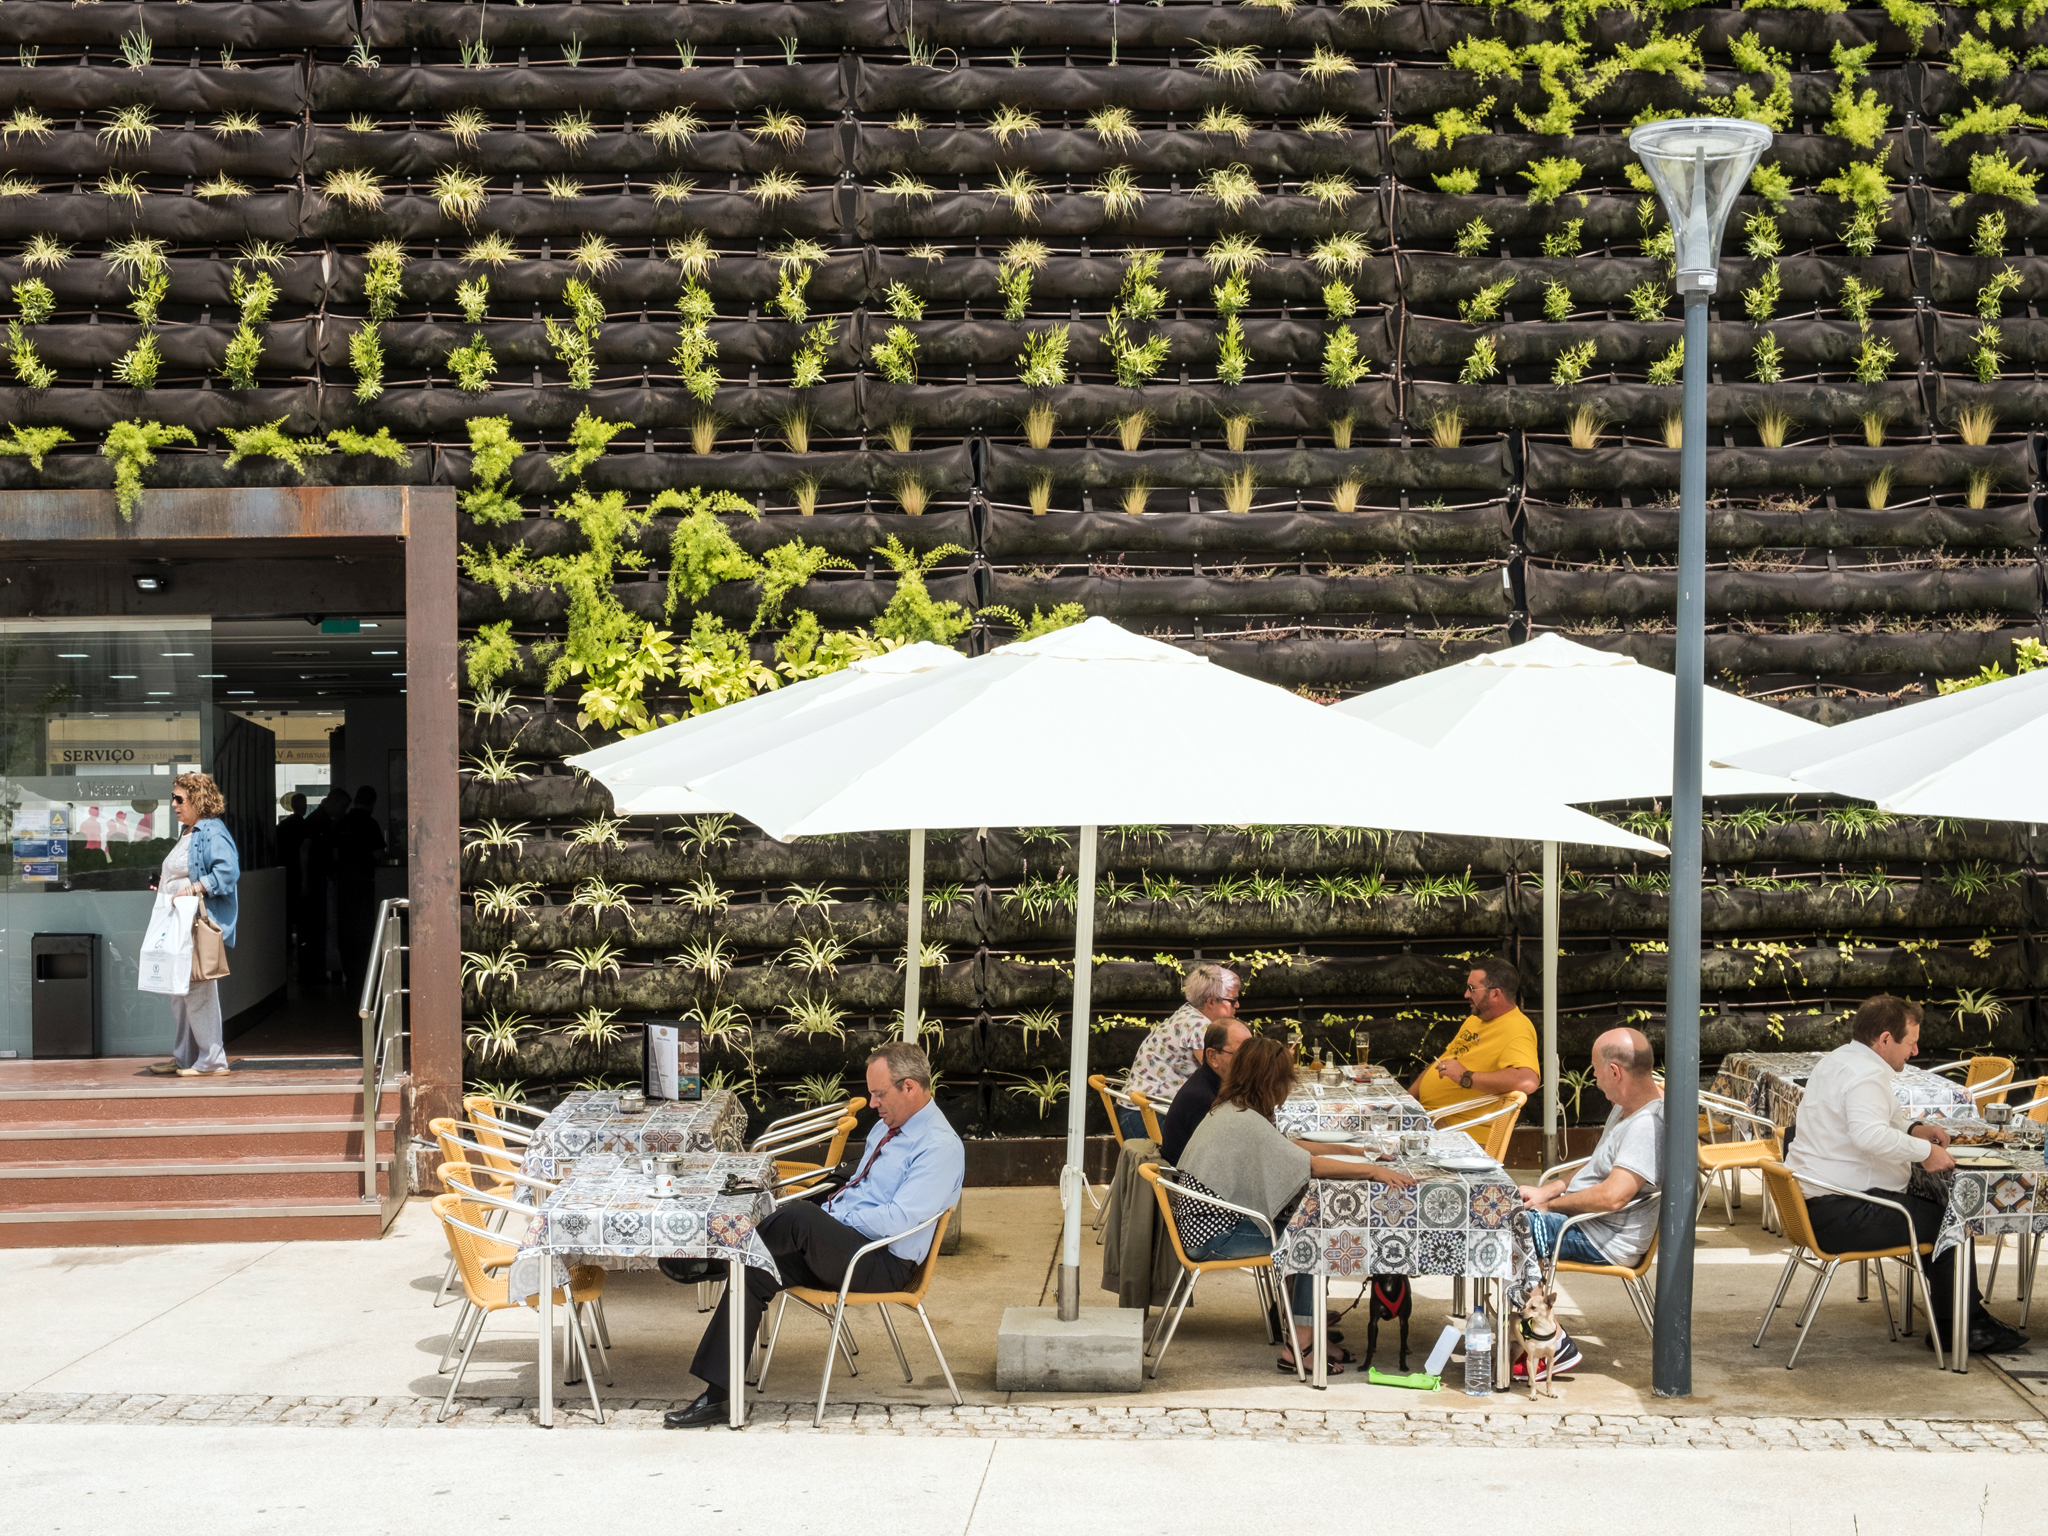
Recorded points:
(1112,32)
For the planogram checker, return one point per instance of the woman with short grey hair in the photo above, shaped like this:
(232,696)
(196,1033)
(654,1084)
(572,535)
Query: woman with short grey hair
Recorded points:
(1170,1052)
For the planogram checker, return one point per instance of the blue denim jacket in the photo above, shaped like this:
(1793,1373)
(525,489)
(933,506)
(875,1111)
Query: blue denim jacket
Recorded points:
(216,870)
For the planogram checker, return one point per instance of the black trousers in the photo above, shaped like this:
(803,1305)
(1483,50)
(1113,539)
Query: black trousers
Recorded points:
(811,1248)
(1845,1225)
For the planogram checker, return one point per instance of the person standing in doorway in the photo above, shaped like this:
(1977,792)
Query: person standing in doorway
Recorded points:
(291,837)
(316,870)
(358,850)
(203,862)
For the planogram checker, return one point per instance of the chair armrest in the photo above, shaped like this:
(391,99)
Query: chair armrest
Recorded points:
(1550,1173)
(1734,1113)
(1188,1194)
(1465,1107)
(1550,1271)
(1948,1066)
(846,1283)
(511,1133)
(1856,1194)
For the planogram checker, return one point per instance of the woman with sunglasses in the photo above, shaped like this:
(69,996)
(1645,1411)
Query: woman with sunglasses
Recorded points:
(203,863)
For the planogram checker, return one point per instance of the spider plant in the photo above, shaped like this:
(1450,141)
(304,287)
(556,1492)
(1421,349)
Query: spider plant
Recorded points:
(1975,424)
(484,968)
(362,122)
(563,188)
(137,258)
(1877,490)
(492,766)
(1340,253)
(136,49)
(692,254)
(221,186)
(495,1037)
(598,896)
(597,832)
(912,494)
(1237,430)
(796,430)
(1008,123)
(496,900)
(675,128)
(1118,192)
(128,127)
(1237,491)
(1227,63)
(817,1092)
(1130,429)
(1135,496)
(704,431)
(1585,426)
(460,194)
(1039,424)
(1037,1021)
(701,834)
(1039,494)
(592,1030)
(810,1017)
(1225,120)
(1045,1090)
(709,958)
(776,186)
(26,121)
(1344,496)
(42,254)
(572,130)
(907,186)
(492,250)
(1235,254)
(1115,126)
(803,494)
(595,254)
(465,125)
(120,184)
(1333,193)
(785,128)
(1447,426)
(494,836)
(230,123)
(703,896)
(588,960)
(1022,191)
(1324,65)
(816,956)
(812,898)
(357,188)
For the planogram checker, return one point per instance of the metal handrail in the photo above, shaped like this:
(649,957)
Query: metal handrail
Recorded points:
(382,1011)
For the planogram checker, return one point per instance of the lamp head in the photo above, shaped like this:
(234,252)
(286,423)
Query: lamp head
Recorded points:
(1699,164)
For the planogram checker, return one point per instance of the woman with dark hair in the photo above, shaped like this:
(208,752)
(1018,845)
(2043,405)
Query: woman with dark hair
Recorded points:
(203,863)
(1238,1154)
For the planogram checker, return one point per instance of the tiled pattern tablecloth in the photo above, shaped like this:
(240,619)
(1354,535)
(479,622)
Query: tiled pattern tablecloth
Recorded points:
(1314,1107)
(606,1214)
(586,1123)
(1983,1202)
(1771,1084)
(1471,1224)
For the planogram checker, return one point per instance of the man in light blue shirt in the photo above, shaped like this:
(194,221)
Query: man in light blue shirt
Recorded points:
(911,1170)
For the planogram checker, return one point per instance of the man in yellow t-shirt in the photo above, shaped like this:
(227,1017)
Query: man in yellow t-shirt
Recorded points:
(1495,1052)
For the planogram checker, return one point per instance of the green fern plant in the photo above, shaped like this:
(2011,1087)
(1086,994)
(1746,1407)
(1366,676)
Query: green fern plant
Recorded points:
(131,447)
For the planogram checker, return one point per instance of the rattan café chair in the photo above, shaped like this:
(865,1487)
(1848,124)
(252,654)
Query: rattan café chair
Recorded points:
(1786,1192)
(1498,1114)
(1259,1264)
(1634,1278)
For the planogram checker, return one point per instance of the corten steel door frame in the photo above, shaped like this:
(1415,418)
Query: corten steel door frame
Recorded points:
(62,555)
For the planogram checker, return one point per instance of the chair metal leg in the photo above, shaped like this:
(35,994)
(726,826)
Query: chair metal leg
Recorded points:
(1777,1296)
(1172,1295)
(604,1332)
(707,1295)
(571,1365)
(1646,1312)
(1863,1279)
(1820,1291)
(1269,1303)
(597,1338)
(1194,1276)
(889,1323)
(455,1333)
(1727,1205)
(950,1387)
(444,1295)
(448,1402)
(583,1354)
(1906,1273)
(2028,1275)
(1997,1253)
(825,1386)
(774,1333)
(1884,1293)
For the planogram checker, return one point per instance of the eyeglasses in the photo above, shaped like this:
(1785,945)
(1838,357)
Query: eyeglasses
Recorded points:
(177,799)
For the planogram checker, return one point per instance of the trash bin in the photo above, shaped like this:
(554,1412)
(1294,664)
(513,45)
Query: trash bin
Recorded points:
(65,1007)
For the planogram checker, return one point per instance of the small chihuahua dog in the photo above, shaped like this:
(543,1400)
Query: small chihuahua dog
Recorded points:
(1540,1333)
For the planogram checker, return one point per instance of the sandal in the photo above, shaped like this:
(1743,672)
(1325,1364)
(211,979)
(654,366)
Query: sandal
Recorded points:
(1338,1359)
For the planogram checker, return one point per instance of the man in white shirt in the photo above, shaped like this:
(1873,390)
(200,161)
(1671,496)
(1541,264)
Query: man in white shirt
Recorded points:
(1854,1133)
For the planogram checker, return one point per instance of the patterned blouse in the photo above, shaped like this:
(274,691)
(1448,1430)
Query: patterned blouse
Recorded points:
(1200,1224)
(1167,1056)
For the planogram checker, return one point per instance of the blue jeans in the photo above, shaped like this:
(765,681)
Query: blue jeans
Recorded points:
(1544,1226)
(1131,1123)
(1247,1240)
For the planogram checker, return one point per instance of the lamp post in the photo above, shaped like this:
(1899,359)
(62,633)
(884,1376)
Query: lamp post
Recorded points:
(1698,164)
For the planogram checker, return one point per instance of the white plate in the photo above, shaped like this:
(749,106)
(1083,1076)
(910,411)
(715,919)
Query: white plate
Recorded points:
(1979,1154)
(1339,1138)
(1462,1162)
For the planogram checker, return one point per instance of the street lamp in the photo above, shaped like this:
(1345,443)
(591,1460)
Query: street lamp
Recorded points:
(1698,164)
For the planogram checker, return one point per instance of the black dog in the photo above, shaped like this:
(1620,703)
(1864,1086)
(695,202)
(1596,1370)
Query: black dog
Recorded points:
(1388,1296)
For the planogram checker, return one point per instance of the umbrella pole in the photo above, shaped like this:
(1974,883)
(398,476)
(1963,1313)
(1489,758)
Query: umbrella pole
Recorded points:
(913,956)
(1077,1074)
(1552,877)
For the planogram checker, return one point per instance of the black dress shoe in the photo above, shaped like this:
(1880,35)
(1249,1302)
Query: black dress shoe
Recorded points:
(713,1407)
(689,1271)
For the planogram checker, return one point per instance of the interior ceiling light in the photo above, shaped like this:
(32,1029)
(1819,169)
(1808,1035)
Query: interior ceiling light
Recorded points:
(171,655)
(120,677)
(152,584)
(73,656)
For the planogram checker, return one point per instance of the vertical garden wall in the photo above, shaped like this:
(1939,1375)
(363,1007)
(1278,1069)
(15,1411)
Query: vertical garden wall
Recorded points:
(1334,342)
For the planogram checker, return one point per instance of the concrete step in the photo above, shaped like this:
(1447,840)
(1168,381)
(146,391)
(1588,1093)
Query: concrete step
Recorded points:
(186,1099)
(62,1141)
(178,1182)
(133,1223)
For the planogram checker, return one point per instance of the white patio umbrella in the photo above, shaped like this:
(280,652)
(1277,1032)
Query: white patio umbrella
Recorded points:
(1974,755)
(1094,725)
(1583,725)
(640,774)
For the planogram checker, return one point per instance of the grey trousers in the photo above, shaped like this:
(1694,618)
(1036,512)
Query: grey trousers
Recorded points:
(197,1014)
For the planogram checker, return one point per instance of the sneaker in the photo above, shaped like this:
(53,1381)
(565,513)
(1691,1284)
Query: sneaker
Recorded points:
(1567,1358)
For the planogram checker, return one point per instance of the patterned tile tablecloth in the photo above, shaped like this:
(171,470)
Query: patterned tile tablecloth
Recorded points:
(606,1214)
(1471,1224)
(1346,1107)
(586,1123)
(1983,1202)
(1771,1084)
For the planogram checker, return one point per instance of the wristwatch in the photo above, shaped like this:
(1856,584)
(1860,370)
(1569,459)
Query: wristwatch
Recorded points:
(1465,1078)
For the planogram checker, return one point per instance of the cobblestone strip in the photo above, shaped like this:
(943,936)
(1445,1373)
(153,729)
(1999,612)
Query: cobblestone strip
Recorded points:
(1571,1431)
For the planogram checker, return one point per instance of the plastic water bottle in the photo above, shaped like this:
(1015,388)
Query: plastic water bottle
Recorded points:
(1478,1352)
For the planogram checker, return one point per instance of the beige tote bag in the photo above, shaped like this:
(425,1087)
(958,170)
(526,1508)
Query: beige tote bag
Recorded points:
(209,947)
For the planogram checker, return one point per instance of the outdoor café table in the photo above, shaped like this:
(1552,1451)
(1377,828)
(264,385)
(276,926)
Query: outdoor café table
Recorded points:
(586,1123)
(1771,1084)
(606,1214)
(1983,1202)
(1347,1107)
(1449,1223)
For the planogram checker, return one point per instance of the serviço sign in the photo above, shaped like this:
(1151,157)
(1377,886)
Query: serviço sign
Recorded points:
(71,756)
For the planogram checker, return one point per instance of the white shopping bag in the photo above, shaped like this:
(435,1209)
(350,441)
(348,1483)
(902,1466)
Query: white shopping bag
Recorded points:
(166,960)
